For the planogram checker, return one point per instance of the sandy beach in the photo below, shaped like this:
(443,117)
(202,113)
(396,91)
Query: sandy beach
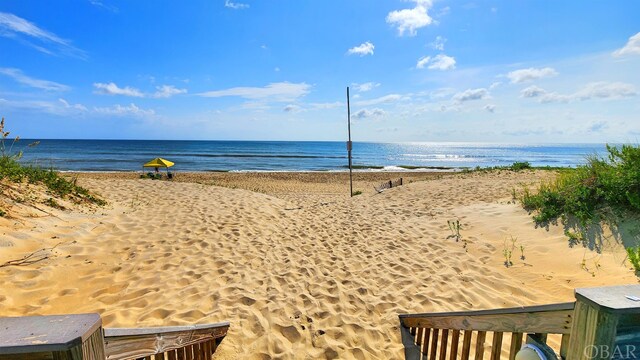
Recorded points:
(299,269)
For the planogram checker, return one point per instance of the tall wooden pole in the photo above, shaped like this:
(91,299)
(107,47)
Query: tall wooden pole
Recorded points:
(349,144)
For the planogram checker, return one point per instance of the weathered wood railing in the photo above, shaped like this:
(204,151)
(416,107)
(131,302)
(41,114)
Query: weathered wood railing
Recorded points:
(458,335)
(81,337)
(197,342)
(603,323)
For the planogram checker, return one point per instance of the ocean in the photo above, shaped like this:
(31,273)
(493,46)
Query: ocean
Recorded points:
(129,155)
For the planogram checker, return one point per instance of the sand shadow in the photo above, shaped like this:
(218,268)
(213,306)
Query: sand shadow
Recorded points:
(623,230)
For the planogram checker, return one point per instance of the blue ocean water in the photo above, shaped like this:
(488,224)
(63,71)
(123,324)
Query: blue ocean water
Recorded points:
(129,155)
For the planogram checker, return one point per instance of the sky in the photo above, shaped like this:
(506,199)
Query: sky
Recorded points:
(509,71)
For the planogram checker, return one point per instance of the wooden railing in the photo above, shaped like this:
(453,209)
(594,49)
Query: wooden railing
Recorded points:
(461,335)
(197,342)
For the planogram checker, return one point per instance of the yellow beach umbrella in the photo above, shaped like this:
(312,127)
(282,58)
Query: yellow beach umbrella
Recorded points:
(159,162)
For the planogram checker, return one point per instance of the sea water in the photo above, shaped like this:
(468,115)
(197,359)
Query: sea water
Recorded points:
(129,155)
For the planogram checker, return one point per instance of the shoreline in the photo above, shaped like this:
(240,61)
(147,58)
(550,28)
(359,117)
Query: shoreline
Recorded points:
(356,168)
(359,170)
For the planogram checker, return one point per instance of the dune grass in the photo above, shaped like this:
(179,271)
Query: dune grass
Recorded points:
(15,172)
(605,189)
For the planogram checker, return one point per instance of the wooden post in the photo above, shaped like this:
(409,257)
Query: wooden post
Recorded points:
(349,144)
(606,323)
(71,337)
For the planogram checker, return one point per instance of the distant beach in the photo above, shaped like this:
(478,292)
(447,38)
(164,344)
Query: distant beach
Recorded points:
(129,155)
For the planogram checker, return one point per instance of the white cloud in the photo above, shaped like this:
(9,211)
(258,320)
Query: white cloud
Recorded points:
(368,86)
(605,90)
(438,62)
(64,108)
(292,108)
(441,93)
(532,91)
(595,90)
(495,85)
(113,89)
(282,92)
(102,5)
(167,91)
(381,100)
(632,47)
(362,49)
(554,97)
(490,108)
(366,113)
(524,75)
(15,27)
(18,76)
(438,43)
(127,110)
(60,107)
(410,20)
(236,6)
(163,91)
(67,105)
(544,96)
(471,94)
(423,61)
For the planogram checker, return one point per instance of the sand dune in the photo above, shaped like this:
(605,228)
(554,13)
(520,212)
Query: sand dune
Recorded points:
(300,269)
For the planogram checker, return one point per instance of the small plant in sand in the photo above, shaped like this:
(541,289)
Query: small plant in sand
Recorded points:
(454,226)
(507,257)
(509,248)
(633,254)
(595,260)
(357,192)
(136,202)
(507,251)
(514,195)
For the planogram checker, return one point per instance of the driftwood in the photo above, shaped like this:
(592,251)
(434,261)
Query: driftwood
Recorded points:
(31,258)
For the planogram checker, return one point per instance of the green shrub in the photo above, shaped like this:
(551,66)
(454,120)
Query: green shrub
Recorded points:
(603,189)
(357,192)
(634,257)
(519,165)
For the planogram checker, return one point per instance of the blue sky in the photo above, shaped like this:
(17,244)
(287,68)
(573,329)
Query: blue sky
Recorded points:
(421,70)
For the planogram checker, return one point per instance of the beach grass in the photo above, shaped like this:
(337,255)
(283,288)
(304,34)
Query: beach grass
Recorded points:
(15,172)
(604,189)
